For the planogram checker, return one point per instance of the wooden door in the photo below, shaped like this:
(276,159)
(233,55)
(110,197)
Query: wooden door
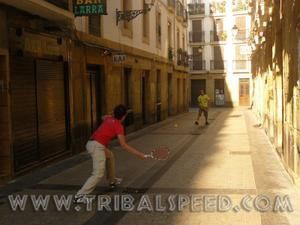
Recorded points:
(244,92)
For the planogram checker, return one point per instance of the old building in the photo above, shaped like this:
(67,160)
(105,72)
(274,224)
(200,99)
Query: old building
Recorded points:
(219,53)
(34,83)
(276,74)
(139,61)
(59,74)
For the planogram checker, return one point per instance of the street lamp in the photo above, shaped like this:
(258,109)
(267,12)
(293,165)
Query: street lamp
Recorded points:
(235,30)
(131,14)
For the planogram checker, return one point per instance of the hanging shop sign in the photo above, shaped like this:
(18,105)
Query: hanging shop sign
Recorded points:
(119,58)
(89,8)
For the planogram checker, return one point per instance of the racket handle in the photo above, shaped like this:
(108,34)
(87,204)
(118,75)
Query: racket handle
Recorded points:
(147,156)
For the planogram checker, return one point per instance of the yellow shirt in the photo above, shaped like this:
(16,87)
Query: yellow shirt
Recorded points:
(203,101)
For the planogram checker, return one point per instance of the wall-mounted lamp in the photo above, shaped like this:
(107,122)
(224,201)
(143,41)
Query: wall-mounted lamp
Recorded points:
(131,14)
(235,30)
(200,49)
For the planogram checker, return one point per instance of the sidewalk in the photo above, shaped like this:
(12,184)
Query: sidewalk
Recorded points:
(230,157)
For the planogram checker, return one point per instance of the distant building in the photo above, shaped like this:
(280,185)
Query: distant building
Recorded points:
(219,52)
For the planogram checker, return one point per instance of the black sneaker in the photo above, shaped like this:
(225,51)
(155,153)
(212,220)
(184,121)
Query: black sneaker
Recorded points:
(196,122)
(113,185)
(206,123)
(79,199)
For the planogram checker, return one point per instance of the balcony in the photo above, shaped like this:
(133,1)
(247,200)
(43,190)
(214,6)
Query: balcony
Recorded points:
(218,8)
(171,4)
(218,65)
(196,9)
(180,10)
(242,35)
(196,36)
(241,65)
(218,36)
(196,63)
(182,58)
(240,6)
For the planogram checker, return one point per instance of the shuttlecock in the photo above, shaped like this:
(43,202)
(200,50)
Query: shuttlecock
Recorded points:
(175,125)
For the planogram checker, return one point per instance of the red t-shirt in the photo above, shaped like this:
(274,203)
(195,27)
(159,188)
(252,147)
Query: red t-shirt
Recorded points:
(109,129)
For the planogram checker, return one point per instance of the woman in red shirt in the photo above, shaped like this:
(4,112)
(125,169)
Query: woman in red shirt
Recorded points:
(97,148)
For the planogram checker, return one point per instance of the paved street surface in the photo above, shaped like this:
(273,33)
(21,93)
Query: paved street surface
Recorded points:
(231,158)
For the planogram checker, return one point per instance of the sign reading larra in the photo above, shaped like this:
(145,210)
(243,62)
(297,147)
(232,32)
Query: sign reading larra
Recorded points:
(89,7)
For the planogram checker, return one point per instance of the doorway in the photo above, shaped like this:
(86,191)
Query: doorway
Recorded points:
(244,92)
(196,86)
(95,93)
(170,94)
(145,96)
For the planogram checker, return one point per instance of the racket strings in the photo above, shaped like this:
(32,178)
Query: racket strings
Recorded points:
(161,153)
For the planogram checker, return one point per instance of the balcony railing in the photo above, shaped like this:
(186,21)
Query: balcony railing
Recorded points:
(241,65)
(196,63)
(218,36)
(218,65)
(196,8)
(64,4)
(242,35)
(185,16)
(218,7)
(240,6)
(179,9)
(171,3)
(197,36)
(182,58)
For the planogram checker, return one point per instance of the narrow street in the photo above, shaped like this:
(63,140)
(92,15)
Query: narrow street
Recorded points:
(231,157)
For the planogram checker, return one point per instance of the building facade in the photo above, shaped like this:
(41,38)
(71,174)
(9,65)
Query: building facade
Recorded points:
(219,51)
(60,73)
(276,76)
(152,76)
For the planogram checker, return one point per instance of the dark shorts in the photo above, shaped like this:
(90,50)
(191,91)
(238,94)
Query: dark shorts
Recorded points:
(204,111)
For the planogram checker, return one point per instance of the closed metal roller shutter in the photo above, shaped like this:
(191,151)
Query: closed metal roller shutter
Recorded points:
(24,112)
(51,107)
(38,110)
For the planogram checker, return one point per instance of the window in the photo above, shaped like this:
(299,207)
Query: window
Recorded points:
(240,22)
(127,6)
(183,43)
(158,29)
(145,22)
(178,39)
(170,33)
(95,25)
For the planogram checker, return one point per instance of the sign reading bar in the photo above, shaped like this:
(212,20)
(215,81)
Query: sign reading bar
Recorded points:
(89,7)
(119,58)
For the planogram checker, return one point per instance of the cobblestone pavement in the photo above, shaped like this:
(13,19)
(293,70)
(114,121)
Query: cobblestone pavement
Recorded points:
(223,174)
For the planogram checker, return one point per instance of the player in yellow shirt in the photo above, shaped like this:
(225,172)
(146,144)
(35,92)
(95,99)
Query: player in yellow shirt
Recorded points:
(203,102)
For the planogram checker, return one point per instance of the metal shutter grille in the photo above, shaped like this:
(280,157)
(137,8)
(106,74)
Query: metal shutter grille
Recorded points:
(51,107)
(24,123)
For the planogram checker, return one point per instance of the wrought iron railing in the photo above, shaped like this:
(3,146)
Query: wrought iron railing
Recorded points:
(218,36)
(196,63)
(196,36)
(218,65)
(196,8)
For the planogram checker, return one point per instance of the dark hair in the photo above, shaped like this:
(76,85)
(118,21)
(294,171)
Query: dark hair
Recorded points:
(120,111)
